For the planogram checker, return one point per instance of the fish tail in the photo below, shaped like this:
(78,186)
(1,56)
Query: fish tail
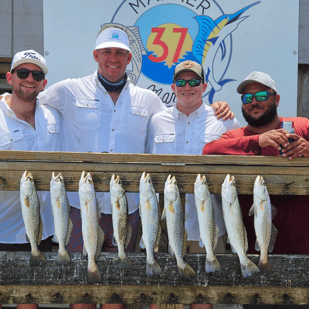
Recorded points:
(122,262)
(153,269)
(37,259)
(264,266)
(94,275)
(249,269)
(186,272)
(212,265)
(63,257)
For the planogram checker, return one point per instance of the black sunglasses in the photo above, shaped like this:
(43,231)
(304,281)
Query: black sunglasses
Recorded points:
(194,82)
(260,96)
(24,73)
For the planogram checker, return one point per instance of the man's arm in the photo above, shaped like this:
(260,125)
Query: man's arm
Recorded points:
(233,143)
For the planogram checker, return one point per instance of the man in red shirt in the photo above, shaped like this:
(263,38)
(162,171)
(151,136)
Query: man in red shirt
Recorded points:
(264,136)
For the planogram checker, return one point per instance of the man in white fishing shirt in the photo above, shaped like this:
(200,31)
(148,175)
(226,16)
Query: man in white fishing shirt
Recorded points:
(185,128)
(26,125)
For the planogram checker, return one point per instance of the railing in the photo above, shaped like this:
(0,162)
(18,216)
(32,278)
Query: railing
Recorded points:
(287,283)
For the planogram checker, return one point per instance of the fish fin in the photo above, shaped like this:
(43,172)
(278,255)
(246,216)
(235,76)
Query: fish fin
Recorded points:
(129,234)
(37,259)
(246,246)
(257,246)
(63,257)
(274,211)
(201,244)
(156,247)
(141,243)
(114,241)
(84,249)
(69,231)
(40,231)
(187,272)
(274,233)
(94,276)
(215,236)
(153,269)
(140,209)
(212,265)
(55,239)
(184,246)
(251,211)
(233,249)
(170,250)
(264,267)
(163,214)
(100,243)
(122,263)
(249,269)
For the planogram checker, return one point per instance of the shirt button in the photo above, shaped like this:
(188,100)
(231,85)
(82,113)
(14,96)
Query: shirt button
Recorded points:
(87,105)
(111,150)
(11,140)
(189,123)
(187,142)
(113,130)
(114,110)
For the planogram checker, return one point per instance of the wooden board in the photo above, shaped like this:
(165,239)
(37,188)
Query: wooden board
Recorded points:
(287,283)
(282,176)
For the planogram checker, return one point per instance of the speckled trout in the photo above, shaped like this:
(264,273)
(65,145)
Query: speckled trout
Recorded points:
(62,221)
(121,225)
(30,207)
(177,236)
(206,220)
(149,213)
(264,229)
(93,235)
(235,227)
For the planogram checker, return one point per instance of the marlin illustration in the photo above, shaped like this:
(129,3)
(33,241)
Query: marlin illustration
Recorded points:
(210,38)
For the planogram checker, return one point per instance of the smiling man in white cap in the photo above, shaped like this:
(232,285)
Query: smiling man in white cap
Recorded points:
(26,125)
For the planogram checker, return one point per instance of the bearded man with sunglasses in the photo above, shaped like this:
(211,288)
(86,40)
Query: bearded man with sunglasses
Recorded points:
(26,125)
(264,136)
(184,129)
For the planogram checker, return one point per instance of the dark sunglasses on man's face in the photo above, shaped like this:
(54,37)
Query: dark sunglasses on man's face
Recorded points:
(260,96)
(24,73)
(194,82)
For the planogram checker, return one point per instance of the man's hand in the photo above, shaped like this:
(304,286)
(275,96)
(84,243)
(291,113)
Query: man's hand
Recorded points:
(222,110)
(298,148)
(274,138)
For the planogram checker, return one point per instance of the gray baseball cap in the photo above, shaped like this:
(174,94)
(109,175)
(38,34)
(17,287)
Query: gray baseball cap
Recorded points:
(258,77)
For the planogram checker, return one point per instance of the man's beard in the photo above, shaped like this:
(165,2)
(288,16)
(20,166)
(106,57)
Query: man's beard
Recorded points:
(265,119)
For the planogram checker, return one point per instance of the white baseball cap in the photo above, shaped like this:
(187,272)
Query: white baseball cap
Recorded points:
(113,37)
(29,56)
(258,77)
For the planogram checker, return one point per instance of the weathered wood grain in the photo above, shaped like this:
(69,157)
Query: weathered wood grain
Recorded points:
(287,283)
(282,176)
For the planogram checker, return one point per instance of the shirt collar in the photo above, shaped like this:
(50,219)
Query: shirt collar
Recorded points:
(198,112)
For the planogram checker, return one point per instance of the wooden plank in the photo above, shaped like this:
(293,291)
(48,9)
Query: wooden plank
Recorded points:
(4,86)
(303,90)
(4,67)
(28,26)
(287,283)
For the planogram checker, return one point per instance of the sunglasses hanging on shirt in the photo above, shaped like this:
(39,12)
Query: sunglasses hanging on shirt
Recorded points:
(24,73)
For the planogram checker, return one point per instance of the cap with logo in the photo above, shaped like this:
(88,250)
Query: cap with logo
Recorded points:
(258,77)
(189,66)
(113,37)
(29,56)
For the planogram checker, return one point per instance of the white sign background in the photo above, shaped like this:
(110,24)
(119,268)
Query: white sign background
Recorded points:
(266,41)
